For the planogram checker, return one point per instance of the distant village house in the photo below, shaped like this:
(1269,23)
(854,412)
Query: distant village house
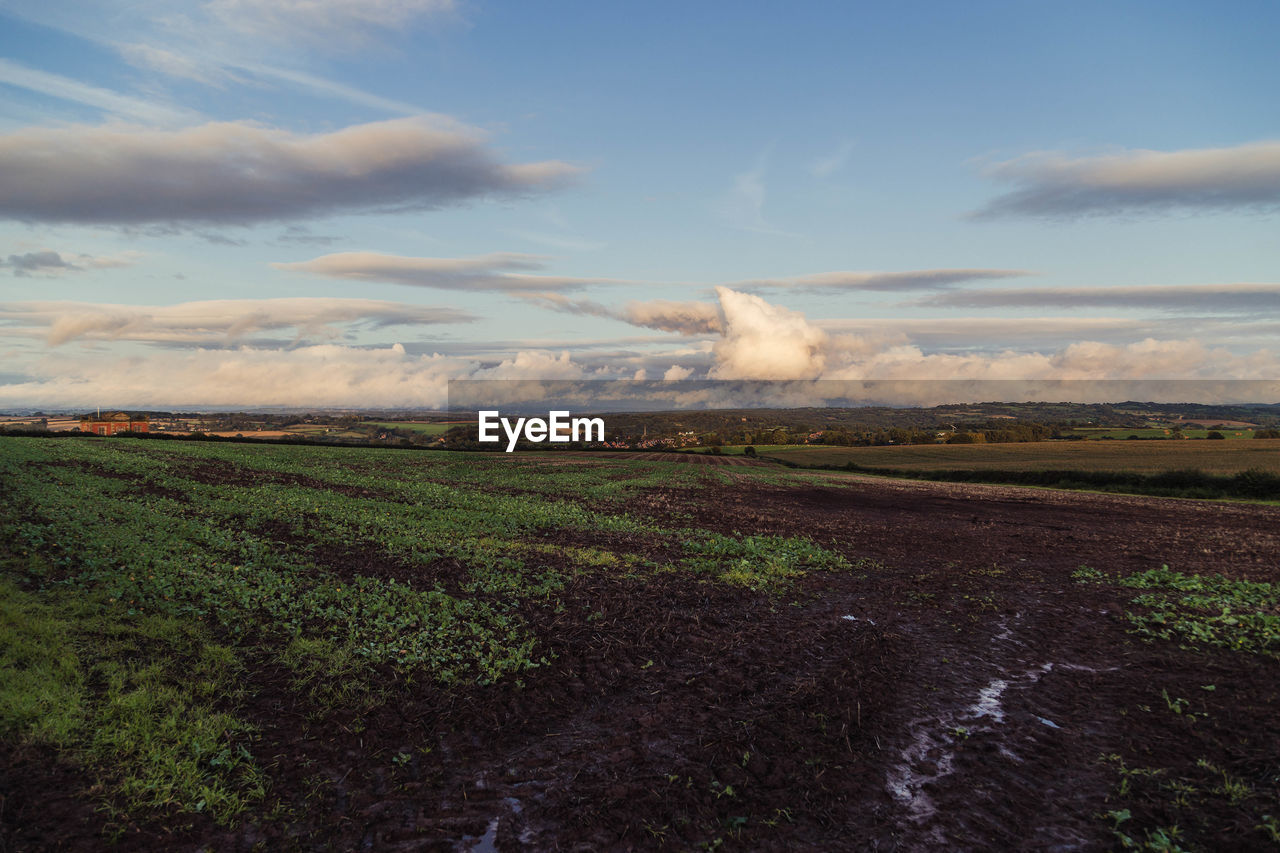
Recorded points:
(114,422)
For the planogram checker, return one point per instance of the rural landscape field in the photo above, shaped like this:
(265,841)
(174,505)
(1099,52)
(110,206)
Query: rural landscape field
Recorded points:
(238,647)
(1142,457)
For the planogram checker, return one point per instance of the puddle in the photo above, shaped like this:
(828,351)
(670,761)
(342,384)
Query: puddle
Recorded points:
(488,843)
(931,754)
(988,704)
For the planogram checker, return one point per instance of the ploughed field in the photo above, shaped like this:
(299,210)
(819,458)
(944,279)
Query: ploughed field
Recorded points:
(1142,457)
(231,647)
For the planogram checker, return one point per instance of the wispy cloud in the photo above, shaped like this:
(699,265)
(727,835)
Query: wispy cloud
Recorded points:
(112,103)
(238,173)
(501,271)
(47,262)
(1054,185)
(343,24)
(213,321)
(825,167)
(222,69)
(316,84)
(743,206)
(223,44)
(173,64)
(936,279)
(1221,298)
(686,318)
(300,235)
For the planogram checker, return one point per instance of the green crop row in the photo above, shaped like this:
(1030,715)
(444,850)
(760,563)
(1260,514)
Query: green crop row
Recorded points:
(1199,610)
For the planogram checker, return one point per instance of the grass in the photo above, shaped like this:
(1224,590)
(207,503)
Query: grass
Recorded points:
(1160,432)
(416,426)
(144,722)
(759,562)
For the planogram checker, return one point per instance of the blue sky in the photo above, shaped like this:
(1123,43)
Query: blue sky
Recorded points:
(346,202)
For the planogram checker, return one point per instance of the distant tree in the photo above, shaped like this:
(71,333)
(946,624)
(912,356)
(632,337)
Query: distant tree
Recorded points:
(1216,435)
(750,451)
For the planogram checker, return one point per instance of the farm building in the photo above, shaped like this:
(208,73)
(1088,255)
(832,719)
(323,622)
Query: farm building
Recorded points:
(114,422)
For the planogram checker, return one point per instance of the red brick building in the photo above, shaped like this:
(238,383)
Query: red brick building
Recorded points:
(114,422)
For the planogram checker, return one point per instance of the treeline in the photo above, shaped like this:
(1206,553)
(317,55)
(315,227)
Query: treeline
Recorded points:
(842,436)
(759,426)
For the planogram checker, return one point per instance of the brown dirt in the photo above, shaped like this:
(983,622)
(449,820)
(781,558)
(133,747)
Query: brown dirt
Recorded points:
(960,693)
(695,458)
(576,457)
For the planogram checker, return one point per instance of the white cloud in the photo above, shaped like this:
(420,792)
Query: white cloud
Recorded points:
(533,364)
(675,373)
(237,173)
(74,91)
(502,271)
(173,64)
(324,87)
(323,375)
(935,279)
(204,367)
(337,23)
(987,333)
(764,341)
(1232,298)
(1054,185)
(214,321)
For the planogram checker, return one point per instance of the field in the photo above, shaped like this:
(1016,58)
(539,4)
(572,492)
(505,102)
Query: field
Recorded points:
(1144,457)
(1156,432)
(432,428)
(237,647)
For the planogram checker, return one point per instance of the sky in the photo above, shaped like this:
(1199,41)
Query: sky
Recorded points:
(347,203)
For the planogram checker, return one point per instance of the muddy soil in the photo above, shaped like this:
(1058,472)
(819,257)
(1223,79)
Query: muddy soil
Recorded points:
(956,690)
